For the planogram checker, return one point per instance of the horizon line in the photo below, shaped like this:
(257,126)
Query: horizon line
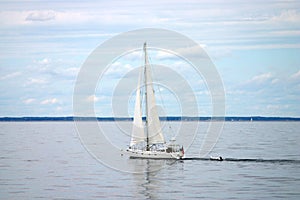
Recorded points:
(167,118)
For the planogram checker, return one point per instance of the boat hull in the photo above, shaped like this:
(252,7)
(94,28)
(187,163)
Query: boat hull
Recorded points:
(218,158)
(153,154)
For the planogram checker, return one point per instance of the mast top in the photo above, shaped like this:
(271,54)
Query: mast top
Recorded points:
(145,44)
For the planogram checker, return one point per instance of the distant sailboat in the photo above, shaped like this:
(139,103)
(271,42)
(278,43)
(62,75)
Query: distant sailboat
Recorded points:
(147,139)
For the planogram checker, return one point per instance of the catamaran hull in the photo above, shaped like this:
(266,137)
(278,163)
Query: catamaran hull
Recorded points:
(154,154)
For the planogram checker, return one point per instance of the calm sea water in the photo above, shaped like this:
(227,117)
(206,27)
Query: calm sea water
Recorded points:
(46,160)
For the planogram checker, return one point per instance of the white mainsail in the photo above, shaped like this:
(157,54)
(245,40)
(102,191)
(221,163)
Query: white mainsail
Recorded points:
(154,130)
(138,127)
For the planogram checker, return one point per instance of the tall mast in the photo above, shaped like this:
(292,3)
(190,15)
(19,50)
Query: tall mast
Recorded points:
(146,84)
(153,127)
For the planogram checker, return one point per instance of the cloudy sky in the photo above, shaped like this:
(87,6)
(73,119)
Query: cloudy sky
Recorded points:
(255,45)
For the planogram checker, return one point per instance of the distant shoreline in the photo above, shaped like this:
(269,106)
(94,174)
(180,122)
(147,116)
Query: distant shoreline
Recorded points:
(170,118)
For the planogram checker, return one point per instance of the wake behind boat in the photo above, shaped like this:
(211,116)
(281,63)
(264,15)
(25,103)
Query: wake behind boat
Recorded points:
(147,139)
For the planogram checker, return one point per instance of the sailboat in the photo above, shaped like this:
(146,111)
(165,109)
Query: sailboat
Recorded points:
(147,139)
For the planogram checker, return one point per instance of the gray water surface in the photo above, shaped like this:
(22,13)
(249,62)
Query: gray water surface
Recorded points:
(46,160)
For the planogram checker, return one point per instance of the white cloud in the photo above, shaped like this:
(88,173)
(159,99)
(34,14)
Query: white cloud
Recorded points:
(29,101)
(44,16)
(262,77)
(44,61)
(134,55)
(236,92)
(118,69)
(162,55)
(33,81)
(258,79)
(11,75)
(51,70)
(287,16)
(275,80)
(92,98)
(296,75)
(192,51)
(72,71)
(188,52)
(49,101)
(41,15)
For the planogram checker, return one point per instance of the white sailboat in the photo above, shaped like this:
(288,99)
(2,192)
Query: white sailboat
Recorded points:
(147,139)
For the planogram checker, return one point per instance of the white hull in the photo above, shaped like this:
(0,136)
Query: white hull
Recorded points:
(153,154)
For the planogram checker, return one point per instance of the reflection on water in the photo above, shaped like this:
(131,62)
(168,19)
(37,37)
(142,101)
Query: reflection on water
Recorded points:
(150,183)
(147,180)
(149,165)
